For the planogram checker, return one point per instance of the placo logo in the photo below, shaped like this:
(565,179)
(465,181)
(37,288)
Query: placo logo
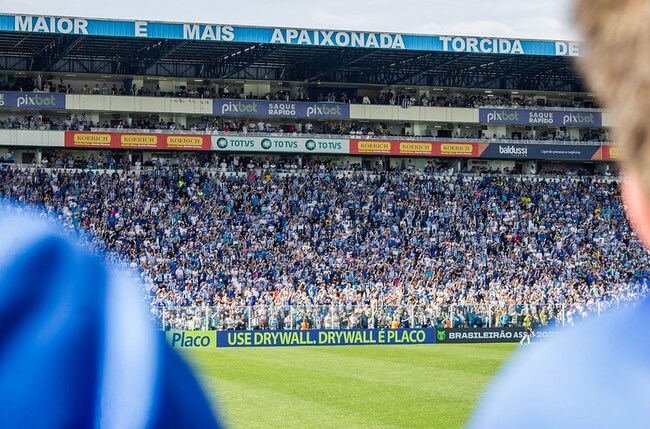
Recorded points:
(238,107)
(190,339)
(505,116)
(513,150)
(36,100)
(578,119)
(324,110)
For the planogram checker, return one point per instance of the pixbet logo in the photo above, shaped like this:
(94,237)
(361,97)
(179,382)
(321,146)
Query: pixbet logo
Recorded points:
(36,101)
(238,107)
(503,116)
(320,110)
(578,118)
(513,150)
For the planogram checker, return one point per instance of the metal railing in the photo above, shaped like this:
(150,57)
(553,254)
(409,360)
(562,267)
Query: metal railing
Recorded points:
(374,316)
(545,108)
(303,172)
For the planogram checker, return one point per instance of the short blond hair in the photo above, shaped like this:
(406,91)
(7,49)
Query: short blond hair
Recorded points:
(617,66)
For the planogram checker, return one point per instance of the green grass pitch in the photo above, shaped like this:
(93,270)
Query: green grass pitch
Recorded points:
(424,386)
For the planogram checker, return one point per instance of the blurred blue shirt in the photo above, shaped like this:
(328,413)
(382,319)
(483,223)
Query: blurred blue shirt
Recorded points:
(596,375)
(76,346)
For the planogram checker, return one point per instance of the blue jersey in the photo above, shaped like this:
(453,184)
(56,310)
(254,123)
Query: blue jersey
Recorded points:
(596,375)
(76,346)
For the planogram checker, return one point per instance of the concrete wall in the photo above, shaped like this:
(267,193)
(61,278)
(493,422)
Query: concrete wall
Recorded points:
(129,104)
(31,138)
(413,114)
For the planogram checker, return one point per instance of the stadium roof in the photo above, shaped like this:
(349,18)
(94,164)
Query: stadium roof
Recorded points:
(205,51)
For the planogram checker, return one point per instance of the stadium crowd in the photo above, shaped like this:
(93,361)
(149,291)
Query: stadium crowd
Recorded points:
(322,247)
(404,97)
(288,127)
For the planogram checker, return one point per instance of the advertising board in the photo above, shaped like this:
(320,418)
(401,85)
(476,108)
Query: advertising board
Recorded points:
(114,140)
(325,337)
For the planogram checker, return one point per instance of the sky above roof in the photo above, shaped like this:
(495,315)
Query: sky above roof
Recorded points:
(539,19)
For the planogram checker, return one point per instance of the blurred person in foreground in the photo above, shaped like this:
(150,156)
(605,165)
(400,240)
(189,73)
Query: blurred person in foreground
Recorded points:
(596,375)
(77,349)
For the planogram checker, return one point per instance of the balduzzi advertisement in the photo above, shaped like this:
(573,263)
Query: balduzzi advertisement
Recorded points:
(551,152)
(338,146)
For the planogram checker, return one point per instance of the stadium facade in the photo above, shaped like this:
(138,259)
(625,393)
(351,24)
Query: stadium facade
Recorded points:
(289,146)
(137,90)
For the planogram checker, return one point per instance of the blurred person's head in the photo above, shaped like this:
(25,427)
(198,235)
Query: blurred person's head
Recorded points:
(617,66)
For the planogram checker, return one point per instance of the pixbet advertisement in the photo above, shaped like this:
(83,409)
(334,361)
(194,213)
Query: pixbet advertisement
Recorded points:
(281,109)
(31,100)
(562,118)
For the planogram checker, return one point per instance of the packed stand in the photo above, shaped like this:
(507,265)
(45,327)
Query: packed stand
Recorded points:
(266,250)
(251,126)
(404,97)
